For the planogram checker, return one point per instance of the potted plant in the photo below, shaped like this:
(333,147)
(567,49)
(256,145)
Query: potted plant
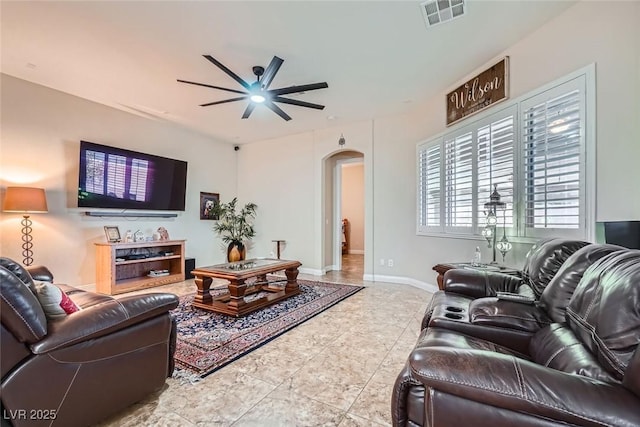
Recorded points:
(235,227)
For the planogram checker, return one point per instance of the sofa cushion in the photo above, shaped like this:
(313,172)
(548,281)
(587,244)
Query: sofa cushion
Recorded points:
(20,310)
(544,260)
(604,312)
(55,303)
(19,271)
(557,347)
(439,337)
(556,296)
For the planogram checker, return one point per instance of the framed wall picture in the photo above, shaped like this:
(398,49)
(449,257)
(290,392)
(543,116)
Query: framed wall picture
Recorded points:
(113,233)
(207,202)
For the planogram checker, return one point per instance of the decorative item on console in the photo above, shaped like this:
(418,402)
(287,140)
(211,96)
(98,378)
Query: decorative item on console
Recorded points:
(163,234)
(234,228)
(138,236)
(113,233)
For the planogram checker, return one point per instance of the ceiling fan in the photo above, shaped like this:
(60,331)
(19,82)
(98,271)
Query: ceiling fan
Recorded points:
(258,92)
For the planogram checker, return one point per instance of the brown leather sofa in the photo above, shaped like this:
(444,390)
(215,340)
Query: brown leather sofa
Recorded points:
(91,364)
(517,320)
(581,369)
(542,262)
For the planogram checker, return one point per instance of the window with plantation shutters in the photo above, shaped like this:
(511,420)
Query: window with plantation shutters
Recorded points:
(429,186)
(536,149)
(495,144)
(458,181)
(553,161)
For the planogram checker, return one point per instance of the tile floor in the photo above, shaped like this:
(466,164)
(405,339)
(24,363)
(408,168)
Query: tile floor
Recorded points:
(336,369)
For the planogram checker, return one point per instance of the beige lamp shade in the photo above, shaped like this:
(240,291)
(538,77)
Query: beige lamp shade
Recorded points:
(25,199)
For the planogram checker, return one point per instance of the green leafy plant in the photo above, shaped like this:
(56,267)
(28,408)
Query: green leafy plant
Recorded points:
(234,226)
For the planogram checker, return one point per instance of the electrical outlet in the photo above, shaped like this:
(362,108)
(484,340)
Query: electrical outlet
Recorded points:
(390,263)
(382,261)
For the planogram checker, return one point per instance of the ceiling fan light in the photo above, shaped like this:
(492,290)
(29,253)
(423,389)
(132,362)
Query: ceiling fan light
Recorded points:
(257,98)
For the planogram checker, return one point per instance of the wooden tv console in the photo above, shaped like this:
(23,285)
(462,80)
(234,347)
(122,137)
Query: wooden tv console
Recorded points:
(115,273)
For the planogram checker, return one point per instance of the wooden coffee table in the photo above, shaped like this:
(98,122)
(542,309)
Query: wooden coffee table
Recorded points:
(233,302)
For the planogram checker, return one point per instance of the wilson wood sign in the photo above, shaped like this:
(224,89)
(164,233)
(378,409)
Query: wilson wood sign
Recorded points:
(485,89)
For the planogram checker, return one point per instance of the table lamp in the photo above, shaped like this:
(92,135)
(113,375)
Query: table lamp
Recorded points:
(25,200)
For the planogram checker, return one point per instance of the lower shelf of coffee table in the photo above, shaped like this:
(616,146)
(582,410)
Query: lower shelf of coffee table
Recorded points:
(224,304)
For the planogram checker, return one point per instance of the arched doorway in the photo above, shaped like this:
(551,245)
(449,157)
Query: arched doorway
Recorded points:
(344,213)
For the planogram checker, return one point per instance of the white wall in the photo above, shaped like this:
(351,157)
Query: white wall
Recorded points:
(274,176)
(41,133)
(289,180)
(353,204)
(41,129)
(586,33)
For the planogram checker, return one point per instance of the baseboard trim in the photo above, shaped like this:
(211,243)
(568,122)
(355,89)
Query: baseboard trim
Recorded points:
(329,268)
(312,271)
(401,280)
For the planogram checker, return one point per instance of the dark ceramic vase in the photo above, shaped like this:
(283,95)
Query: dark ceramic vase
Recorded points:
(236,251)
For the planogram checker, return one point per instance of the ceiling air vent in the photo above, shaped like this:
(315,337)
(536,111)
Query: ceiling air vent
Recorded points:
(437,11)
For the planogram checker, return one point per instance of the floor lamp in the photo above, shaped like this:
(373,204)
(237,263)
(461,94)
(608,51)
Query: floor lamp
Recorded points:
(26,200)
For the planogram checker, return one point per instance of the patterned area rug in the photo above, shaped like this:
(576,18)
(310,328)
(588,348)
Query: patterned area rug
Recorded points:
(207,341)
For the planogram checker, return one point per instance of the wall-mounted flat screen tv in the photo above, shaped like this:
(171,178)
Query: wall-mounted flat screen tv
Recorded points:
(116,178)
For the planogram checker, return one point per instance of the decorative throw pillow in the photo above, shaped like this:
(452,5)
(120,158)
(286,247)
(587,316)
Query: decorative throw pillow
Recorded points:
(55,303)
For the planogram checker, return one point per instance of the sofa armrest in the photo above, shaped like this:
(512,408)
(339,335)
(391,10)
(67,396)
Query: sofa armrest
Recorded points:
(102,319)
(515,384)
(40,272)
(504,314)
(477,284)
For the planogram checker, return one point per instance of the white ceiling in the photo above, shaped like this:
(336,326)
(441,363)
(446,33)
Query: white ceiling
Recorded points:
(378,57)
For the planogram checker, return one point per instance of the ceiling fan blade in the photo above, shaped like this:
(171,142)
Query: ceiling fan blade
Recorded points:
(211,86)
(277,110)
(249,110)
(301,88)
(271,71)
(240,98)
(298,103)
(233,75)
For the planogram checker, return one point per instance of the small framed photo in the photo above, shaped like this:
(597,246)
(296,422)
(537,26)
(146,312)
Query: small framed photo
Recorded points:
(113,233)
(207,202)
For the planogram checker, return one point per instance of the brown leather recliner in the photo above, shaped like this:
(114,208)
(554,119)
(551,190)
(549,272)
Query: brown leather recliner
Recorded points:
(583,372)
(92,363)
(542,262)
(513,323)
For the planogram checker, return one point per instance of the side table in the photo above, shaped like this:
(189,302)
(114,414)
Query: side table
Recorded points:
(443,268)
